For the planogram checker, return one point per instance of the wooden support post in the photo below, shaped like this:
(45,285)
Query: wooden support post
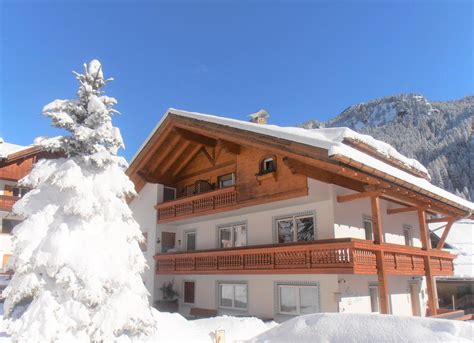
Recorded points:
(376,222)
(378,239)
(430,281)
(444,235)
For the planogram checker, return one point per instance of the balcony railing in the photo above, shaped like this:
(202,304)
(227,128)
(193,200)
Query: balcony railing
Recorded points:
(336,256)
(7,202)
(201,203)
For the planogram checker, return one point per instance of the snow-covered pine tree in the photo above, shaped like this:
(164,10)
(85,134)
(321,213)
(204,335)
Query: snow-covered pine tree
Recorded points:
(76,255)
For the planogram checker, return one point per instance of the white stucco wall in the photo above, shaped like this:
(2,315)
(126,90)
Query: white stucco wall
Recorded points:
(349,219)
(261,292)
(355,297)
(144,213)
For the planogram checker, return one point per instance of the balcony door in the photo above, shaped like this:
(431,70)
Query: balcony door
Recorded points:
(167,241)
(415,299)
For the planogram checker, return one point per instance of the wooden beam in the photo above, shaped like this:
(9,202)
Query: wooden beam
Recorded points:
(383,283)
(376,219)
(425,245)
(161,154)
(231,147)
(188,159)
(175,154)
(440,220)
(297,167)
(211,159)
(195,137)
(379,255)
(442,240)
(355,196)
(404,209)
(424,234)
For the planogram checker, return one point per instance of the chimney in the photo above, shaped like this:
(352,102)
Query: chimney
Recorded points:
(260,117)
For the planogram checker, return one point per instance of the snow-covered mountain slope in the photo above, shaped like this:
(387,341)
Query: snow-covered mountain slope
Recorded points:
(438,134)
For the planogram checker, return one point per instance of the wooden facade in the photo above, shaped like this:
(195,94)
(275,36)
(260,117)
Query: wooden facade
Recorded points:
(184,151)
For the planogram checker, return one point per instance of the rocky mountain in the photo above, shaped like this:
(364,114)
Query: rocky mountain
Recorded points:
(438,134)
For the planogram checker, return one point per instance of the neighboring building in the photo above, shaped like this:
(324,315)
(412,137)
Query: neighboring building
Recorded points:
(15,163)
(255,219)
(457,292)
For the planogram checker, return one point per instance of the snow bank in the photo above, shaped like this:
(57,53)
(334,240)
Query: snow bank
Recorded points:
(236,328)
(351,327)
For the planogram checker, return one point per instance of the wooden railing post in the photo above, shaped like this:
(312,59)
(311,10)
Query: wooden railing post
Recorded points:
(430,281)
(379,255)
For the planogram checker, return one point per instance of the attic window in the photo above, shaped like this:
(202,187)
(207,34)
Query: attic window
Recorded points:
(268,165)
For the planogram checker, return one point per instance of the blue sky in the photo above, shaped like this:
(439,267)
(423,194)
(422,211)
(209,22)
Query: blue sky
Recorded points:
(299,60)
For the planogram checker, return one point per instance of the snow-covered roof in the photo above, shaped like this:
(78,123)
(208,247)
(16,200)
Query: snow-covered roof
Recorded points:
(9,148)
(330,139)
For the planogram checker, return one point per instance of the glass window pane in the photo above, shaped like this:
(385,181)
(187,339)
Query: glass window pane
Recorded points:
(241,296)
(288,296)
(225,240)
(191,241)
(308,300)
(226,295)
(374,299)
(368,230)
(285,230)
(406,233)
(240,235)
(305,228)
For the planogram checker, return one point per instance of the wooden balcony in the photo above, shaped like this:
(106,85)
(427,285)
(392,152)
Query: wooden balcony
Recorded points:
(335,256)
(208,202)
(7,202)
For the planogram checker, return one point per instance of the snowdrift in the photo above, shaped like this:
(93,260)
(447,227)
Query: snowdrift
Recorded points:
(348,327)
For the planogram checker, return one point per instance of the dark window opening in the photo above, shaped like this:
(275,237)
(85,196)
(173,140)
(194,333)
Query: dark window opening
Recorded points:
(189,291)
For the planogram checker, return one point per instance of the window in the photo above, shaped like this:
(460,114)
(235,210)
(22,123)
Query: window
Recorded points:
(232,236)
(268,165)
(295,229)
(369,232)
(233,295)
(374,298)
(19,191)
(189,291)
(407,235)
(227,180)
(169,193)
(189,190)
(9,224)
(190,240)
(296,300)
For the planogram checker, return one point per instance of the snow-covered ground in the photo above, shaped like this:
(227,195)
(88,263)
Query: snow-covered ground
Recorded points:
(320,327)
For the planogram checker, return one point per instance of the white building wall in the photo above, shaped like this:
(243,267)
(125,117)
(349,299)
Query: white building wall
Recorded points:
(262,298)
(355,297)
(144,213)
(349,219)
